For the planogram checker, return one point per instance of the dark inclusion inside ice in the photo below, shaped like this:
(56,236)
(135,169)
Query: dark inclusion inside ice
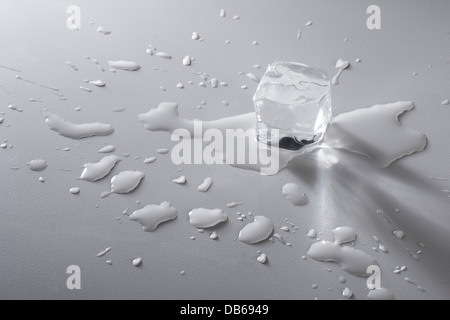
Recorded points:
(293,144)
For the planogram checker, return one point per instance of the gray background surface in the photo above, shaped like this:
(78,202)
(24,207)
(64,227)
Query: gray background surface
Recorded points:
(44,228)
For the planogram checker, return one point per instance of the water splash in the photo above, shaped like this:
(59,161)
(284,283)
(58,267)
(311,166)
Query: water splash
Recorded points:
(370,131)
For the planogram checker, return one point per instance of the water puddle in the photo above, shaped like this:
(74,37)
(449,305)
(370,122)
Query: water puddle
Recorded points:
(98,170)
(206,218)
(152,215)
(76,131)
(259,230)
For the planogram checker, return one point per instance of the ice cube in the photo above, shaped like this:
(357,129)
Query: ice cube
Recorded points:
(294,99)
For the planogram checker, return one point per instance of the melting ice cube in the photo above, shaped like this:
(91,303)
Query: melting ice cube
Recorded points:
(295,100)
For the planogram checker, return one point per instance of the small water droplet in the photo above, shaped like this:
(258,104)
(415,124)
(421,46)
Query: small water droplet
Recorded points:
(162,151)
(137,262)
(102,30)
(214,83)
(347,293)
(70,64)
(187,61)
(399,234)
(149,160)
(251,76)
(102,253)
(195,36)
(107,149)
(311,234)
(293,193)
(118,109)
(180,180)
(85,89)
(124,65)
(344,235)
(98,83)
(222,13)
(15,108)
(262,258)
(74,190)
(37,165)
(309,23)
(233,204)
(341,65)
(203,187)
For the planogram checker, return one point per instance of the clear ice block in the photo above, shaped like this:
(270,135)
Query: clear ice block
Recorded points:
(295,99)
